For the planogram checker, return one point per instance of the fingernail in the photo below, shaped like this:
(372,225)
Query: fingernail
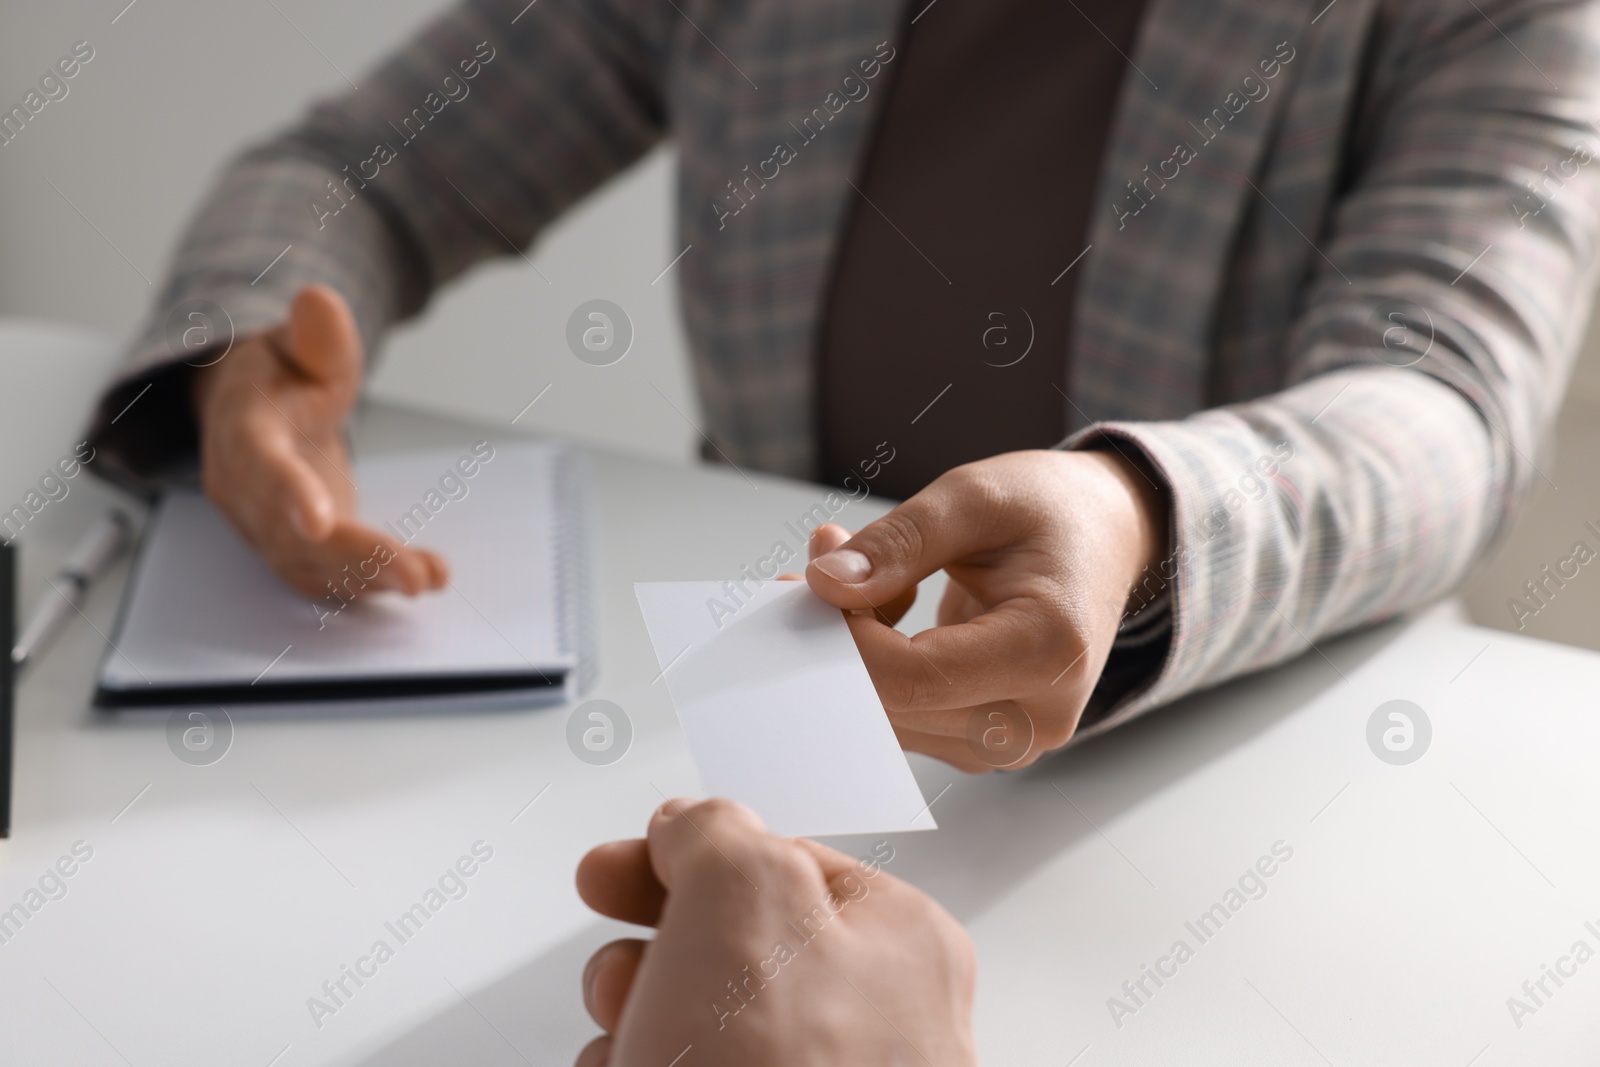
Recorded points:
(845,565)
(670,809)
(307,517)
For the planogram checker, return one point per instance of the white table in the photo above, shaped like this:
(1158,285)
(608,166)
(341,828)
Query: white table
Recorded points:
(219,898)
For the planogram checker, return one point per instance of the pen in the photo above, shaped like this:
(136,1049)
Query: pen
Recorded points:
(98,549)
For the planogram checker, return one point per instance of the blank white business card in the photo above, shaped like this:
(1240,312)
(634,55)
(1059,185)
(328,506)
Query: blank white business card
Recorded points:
(778,709)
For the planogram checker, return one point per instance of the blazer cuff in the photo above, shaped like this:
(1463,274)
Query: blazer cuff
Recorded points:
(1209,485)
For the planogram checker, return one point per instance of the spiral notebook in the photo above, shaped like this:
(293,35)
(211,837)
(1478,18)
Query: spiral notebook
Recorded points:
(204,621)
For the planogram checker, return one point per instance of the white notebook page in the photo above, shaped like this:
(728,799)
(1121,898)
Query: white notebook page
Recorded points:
(204,608)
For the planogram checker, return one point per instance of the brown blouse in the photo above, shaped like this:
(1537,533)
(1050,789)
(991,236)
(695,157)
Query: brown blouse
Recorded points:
(949,313)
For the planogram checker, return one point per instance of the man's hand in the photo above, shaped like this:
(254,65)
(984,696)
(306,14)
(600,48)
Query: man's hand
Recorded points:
(769,950)
(1043,550)
(273,458)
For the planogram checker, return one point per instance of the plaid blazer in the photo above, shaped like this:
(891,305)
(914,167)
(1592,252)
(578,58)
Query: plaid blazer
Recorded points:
(1337,274)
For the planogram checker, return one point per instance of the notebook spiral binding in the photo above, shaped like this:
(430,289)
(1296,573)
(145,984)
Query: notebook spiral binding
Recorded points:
(574,559)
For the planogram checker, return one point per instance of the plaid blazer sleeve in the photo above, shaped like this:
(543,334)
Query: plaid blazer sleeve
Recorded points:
(459,147)
(1427,363)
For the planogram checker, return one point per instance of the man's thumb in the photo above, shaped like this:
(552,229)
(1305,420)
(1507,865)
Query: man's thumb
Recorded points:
(323,340)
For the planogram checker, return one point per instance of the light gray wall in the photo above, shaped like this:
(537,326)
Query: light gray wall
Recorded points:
(178,86)
(1564,500)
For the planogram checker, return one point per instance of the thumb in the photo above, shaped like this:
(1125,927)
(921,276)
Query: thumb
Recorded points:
(324,344)
(687,837)
(886,558)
